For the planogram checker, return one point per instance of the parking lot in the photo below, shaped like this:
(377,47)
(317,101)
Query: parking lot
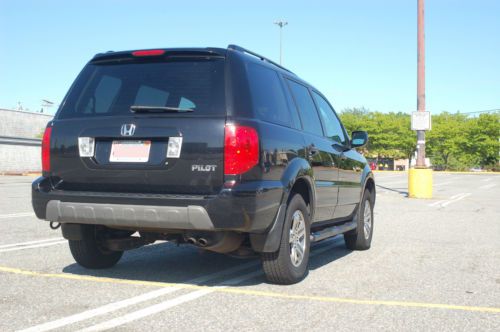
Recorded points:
(434,265)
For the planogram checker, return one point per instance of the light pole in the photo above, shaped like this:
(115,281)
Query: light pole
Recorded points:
(46,104)
(420,81)
(281,24)
(420,177)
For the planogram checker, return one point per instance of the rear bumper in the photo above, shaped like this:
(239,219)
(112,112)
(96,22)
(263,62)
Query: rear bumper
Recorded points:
(250,207)
(125,215)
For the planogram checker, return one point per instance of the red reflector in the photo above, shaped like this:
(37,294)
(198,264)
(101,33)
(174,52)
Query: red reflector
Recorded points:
(241,149)
(148,53)
(46,149)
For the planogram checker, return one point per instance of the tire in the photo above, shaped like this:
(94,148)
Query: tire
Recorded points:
(361,237)
(285,266)
(88,253)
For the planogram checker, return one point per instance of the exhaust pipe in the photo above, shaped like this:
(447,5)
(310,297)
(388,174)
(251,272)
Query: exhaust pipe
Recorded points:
(202,242)
(222,242)
(191,240)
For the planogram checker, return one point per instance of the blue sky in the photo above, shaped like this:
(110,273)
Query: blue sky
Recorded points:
(358,53)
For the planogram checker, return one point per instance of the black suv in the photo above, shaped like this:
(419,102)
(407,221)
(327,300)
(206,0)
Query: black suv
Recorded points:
(219,148)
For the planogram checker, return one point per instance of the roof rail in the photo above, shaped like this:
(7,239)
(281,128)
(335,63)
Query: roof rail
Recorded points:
(263,58)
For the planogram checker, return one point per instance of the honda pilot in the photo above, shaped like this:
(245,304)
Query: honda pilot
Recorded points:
(222,149)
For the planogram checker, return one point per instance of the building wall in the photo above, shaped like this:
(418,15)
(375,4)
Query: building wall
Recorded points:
(19,159)
(22,124)
(20,140)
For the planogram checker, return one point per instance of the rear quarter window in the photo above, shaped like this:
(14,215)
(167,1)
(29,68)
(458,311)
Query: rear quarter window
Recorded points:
(268,97)
(111,88)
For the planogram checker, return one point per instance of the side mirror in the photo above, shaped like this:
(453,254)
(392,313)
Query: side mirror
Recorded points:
(359,139)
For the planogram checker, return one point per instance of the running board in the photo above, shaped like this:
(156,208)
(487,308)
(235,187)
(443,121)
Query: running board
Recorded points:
(332,231)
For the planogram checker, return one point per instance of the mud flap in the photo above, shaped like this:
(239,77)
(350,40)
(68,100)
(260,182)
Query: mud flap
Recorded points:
(270,241)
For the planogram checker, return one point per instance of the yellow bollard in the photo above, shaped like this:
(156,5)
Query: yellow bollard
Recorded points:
(420,183)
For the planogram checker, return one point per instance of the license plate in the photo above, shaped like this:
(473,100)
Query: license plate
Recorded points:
(130,151)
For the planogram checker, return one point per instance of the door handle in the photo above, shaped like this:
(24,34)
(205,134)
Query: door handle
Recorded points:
(312,150)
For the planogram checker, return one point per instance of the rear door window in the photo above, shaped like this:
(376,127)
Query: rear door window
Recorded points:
(106,89)
(268,97)
(307,109)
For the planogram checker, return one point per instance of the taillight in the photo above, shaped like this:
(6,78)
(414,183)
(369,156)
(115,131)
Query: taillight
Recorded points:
(46,149)
(148,53)
(241,149)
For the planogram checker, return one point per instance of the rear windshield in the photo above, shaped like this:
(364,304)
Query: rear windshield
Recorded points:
(111,89)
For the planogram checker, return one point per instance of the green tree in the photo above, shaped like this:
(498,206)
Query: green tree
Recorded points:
(389,133)
(455,141)
(447,138)
(482,142)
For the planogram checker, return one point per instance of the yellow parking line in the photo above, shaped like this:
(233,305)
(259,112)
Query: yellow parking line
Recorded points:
(6,269)
(358,301)
(94,279)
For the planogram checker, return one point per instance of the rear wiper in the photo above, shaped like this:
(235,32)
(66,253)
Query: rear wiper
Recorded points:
(158,109)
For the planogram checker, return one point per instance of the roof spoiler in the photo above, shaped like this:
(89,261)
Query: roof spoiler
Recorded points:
(208,52)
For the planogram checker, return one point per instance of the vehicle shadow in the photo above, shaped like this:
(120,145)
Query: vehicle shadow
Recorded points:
(400,191)
(168,263)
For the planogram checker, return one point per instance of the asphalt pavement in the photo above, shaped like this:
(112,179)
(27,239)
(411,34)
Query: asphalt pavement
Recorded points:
(434,265)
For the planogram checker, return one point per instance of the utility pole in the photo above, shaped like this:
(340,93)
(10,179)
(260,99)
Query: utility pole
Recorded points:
(281,24)
(420,177)
(420,82)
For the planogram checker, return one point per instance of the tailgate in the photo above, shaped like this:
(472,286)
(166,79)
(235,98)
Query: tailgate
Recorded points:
(184,99)
(198,170)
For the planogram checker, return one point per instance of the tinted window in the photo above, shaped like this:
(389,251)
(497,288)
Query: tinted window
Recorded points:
(305,104)
(150,96)
(104,95)
(333,128)
(268,98)
(110,89)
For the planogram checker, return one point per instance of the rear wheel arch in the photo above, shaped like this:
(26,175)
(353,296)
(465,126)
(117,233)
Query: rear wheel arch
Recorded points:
(298,179)
(303,186)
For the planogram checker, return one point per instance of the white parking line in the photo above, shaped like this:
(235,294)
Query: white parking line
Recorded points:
(162,306)
(488,186)
(442,183)
(456,199)
(17,215)
(47,244)
(15,184)
(452,199)
(20,244)
(131,301)
(444,200)
(391,183)
(111,307)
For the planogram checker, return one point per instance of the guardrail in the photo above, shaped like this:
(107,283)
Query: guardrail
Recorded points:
(20,141)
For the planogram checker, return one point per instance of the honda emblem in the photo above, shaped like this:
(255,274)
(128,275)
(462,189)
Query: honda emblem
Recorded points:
(128,130)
